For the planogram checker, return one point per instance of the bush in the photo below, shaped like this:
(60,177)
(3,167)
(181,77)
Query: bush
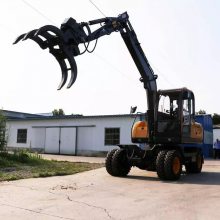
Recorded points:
(22,156)
(2,131)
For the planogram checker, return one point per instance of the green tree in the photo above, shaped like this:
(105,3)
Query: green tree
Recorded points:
(216,119)
(201,112)
(58,112)
(2,131)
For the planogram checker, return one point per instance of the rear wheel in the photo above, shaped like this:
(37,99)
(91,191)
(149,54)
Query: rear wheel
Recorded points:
(195,167)
(108,161)
(173,165)
(160,164)
(120,165)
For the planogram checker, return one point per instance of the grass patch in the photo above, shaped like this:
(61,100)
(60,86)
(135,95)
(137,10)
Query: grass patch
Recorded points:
(23,165)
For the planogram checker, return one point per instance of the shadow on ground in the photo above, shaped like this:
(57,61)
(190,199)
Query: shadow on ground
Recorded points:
(203,178)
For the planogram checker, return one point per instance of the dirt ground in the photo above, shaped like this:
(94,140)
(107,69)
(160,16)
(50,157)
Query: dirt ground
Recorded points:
(97,195)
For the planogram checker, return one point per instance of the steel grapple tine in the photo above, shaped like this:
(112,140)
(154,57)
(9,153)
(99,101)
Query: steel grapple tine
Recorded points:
(73,75)
(55,30)
(47,35)
(61,56)
(52,34)
(73,68)
(38,40)
(30,34)
(57,53)
(64,73)
(19,38)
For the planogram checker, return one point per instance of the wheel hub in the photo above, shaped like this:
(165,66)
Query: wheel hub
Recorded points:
(176,165)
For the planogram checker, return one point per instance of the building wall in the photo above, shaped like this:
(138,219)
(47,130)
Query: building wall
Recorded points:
(207,145)
(90,139)
(216,134)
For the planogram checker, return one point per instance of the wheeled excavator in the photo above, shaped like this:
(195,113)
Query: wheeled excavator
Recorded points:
(165,138)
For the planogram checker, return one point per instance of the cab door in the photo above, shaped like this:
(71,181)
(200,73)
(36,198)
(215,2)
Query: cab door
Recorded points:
(187,118)
(168,119)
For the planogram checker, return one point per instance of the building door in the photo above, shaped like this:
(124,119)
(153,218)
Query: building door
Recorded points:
(68,141)
(60,140)
(52,140)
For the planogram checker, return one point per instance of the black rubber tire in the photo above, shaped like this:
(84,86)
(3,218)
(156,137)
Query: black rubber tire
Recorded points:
(108,161)
(160,164)
(120,165)
(195,167)
(173,172)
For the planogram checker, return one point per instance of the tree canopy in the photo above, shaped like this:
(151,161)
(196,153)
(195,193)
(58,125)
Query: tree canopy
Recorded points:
(58,112)
(201,112)
(216,119)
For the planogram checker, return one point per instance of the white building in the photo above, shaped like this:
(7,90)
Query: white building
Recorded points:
(74,135)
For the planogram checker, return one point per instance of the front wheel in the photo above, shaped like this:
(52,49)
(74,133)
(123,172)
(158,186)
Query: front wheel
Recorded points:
(160,164)
(120,165)
(173,165)
(108,161)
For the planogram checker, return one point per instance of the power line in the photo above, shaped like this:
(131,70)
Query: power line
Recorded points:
(163,75)
(165,79)
(6,28)
(39,12)
(130,80)
(97,8)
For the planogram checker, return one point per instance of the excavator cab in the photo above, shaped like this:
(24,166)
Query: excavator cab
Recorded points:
(175,121)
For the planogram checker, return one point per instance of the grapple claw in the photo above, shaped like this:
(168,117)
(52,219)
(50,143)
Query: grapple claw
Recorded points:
(60,54)
(61,44)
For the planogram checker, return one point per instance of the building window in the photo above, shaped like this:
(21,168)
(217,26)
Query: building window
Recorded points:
(22,136)
(112,136)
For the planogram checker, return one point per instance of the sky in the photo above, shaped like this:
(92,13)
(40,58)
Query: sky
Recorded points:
(181,40)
